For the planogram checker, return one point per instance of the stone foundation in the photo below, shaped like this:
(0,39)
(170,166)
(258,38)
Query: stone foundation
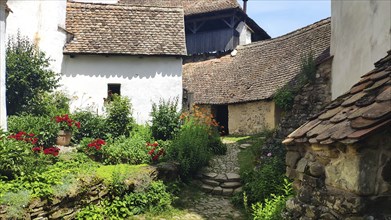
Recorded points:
(342,181)
(88,191)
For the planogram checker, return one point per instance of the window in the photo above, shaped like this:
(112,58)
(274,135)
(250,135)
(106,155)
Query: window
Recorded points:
(113,89)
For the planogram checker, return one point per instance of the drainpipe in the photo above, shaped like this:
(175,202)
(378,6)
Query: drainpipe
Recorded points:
(245,6)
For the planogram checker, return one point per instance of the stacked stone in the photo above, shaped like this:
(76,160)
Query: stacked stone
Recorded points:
(221,184)
(221,176)
(309,102)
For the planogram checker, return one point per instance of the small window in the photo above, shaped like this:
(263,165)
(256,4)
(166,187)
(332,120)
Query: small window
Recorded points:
(113,89)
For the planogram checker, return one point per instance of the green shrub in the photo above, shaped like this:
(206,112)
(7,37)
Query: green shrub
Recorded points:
(165,119)
(119,119)
(45,128)
(50,104)
(13,156)
(142,131)
(261,182)
(284,98)
(28,76)
(92,126)
(191,148)
(215,144)
(308,68)
(272,207)
(154,199)
(131,150)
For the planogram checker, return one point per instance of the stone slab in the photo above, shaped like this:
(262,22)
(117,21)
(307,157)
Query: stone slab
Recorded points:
(206,188)
(244,146)
(220,178)
(209,175)
(231,185)
(227,192)
(238,190)
(233,177)
(210,182)
(217,190)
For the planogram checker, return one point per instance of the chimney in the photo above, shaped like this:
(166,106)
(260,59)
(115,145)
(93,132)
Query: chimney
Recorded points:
(245,6)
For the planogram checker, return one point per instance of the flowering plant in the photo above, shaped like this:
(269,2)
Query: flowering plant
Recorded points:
(66,123)
(32,139)
(51,150)
(23,136)
(47,151)
(97,144)
(155,151)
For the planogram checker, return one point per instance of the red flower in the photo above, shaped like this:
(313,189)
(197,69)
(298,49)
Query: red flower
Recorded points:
(151,151)
(52,150)
(36,149)
(77,124)
(155,158)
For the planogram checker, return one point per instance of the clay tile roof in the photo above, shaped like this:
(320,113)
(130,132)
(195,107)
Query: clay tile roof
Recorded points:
(190,6)
(125,30)
(364,109)
(257,70)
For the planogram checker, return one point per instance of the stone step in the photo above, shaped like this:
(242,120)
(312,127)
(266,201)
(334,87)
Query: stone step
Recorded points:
(232,185)
(210,182)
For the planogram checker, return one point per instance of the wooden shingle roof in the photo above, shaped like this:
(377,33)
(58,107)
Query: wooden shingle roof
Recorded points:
(124,30)
(257,70)
(363,110)
(190,7)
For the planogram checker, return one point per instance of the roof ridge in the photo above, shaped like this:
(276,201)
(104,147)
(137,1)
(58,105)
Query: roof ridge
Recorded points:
(117,5)
(291,34)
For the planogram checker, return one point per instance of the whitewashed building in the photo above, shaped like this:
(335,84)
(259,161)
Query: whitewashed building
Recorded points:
(135,51)
(3,109)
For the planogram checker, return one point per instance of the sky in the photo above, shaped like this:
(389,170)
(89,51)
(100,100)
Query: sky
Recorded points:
(279,17)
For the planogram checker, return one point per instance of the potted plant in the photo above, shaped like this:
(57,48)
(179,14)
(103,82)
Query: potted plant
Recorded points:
(66,126)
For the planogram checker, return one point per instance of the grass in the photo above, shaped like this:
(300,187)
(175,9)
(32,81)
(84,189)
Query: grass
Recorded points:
(234,138)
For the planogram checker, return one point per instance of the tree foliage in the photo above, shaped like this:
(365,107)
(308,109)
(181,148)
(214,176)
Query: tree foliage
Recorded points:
(28,77)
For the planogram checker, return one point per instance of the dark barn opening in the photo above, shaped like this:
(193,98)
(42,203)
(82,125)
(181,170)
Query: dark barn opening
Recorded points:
(221,116)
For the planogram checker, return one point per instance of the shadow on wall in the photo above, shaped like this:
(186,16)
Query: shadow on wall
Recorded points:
(126,67)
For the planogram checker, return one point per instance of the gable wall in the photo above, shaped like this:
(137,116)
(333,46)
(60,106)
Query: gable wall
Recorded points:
(143,79)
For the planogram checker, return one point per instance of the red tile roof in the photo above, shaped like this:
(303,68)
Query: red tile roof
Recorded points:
(125,30)
(364,109)
(257,70)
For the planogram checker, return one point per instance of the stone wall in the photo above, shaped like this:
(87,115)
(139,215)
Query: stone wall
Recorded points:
(89,190)
(310,101)
(341,181)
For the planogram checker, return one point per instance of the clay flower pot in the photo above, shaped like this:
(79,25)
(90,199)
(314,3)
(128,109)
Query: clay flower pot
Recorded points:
(64,137)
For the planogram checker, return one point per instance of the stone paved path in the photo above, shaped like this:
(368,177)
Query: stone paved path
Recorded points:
(203,205)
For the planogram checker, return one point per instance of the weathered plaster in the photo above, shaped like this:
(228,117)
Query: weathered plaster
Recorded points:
(245,33)
(361,35)
(252,117)
(143,79)
(3,112)
(43,22)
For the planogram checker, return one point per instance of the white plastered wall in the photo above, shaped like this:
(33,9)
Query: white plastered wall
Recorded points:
(361,35)
(245,33)
(3,113)
(145,80)
(41,21)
